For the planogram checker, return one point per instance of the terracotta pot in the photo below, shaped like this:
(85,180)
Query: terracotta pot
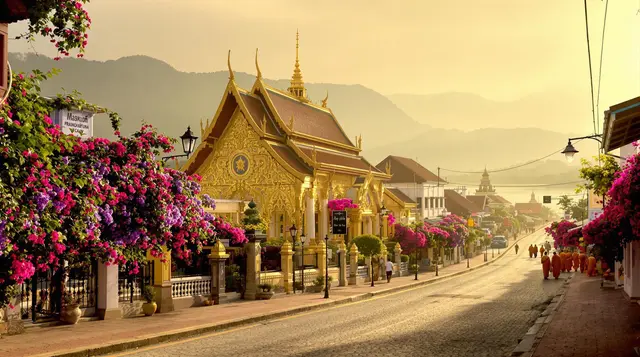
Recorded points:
(149,308)
(70,314)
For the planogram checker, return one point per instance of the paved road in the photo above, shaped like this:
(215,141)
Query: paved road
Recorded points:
(482,313)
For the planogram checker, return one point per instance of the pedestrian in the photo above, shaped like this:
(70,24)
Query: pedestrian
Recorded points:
(531,251)
(568,260)
(546,264)
(542,250)
(583,262)
(535,251)
(576,260)
(555,264)
(562,262)
(517,247)
(591,263)
(389,266)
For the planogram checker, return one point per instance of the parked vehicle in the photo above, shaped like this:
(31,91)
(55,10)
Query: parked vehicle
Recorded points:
(499,242)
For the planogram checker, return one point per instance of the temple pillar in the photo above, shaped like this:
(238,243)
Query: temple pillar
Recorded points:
(369,225)
(310,219)
(385,227)
(397,255)
(342,256)
(353,264)
(108,301)
(376,225)
(254,262)
(286,264)
(162,280)
(321,253)
(273,223)
(217,260)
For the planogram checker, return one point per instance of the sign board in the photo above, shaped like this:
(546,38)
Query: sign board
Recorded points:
(470,222)
(546,199)
(339,222)
(594,213)
(595,201)
(74,122)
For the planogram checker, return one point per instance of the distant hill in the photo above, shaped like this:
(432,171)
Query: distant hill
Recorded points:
(143,88)
(466,111)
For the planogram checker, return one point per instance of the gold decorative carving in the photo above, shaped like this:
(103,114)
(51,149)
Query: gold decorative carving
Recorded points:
(324,101)
(291,122)
(257,66)
(264,124)
(231,76)
(264,179)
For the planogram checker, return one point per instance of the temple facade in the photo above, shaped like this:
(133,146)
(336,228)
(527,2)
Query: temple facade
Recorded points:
(287,154)
(485,188)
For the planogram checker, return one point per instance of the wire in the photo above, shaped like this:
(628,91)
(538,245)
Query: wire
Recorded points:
(509,167)
(604,27)
(523,185)
(593,110)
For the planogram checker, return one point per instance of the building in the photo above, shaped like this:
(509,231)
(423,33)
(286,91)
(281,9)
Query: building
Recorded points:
(532,208)
(289,155)
(460,205)
(419,184)
(485,188)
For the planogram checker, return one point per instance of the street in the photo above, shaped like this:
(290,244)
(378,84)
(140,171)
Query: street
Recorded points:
(481,313)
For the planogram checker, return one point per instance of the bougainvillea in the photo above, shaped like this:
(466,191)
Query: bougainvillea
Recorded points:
(561,235)
(341,204)
(409,238)
(64,199)
(457,230)
(391,219)
(64,22)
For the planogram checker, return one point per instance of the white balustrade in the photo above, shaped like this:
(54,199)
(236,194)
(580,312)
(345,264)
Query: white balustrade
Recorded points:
(191,286)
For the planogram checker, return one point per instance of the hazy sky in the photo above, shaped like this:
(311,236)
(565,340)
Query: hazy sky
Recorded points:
(500,49)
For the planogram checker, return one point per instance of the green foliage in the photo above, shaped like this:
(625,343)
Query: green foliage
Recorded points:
(265,287)
(252,220)
(360,260)
(600,174)
(274,242)
(148,293)
(413,268)
(578,210)
(368,244)
(404,258)
(320,280)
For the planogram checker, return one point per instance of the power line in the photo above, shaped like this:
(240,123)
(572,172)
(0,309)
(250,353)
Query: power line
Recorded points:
(593,110)
(604,27)
(522,185)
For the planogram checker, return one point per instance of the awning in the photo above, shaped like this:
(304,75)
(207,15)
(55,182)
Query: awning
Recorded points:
(621,125)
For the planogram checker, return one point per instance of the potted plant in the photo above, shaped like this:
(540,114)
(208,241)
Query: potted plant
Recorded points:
(70,312)
(149,307)
(265,292)
(252,222)
(319,285)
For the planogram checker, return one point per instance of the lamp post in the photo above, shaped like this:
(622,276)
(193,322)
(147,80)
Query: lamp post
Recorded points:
(486,256)
(437,261)
(302,239)
(569,151)
(294,231)
(416,270)
(467,253)
(326,267)
(493,253)
(188,145)
(383,212)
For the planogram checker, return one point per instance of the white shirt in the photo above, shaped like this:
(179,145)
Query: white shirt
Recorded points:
(389,266)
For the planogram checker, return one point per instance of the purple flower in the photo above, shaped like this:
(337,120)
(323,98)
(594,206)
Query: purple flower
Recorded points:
(140,200)
(65,160)
(42,200)
(107,215)
(207,201)
(1,131)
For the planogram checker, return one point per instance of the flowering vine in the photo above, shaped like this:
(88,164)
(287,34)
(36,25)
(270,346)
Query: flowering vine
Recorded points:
(341,204)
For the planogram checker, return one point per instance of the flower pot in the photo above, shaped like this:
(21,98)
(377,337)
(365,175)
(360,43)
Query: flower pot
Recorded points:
(149,308)
(314,289)
(264,295)
(70,314)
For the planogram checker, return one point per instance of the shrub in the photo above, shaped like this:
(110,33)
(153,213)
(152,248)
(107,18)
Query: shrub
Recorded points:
(265,287)
(320,280)
(404,258)
(368,244)
(149,293)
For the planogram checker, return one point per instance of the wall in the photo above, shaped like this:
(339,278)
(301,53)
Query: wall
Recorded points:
(426,191)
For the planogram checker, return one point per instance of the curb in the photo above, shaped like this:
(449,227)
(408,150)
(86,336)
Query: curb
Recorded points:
(527,346)
(169,336)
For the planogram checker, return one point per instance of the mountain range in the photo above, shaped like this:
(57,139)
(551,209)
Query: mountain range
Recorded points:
(141,88)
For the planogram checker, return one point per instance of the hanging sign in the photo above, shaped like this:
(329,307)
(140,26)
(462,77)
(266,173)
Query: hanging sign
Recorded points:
(339,222)
(74,122)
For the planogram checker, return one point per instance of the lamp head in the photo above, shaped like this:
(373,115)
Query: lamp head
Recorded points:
(188,141)
(293,231)
(569,151)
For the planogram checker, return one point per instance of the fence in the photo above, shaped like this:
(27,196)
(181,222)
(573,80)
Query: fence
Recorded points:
(270,257)
(363,272)
(130,286)
(191,286)
(404,268)
(310,261)
(272,278)
(309,276)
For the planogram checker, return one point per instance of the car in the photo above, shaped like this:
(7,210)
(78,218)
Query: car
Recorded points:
(499,242)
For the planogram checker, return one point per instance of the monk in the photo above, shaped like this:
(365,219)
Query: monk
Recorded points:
(541,250)
(555,264)
(576,260)
(546,264)
(535,251)
(591,266)
(530,251)
(583,262)
(562,263)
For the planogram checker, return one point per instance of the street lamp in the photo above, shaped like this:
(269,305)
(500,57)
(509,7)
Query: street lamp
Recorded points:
(416,271)
(294,231)
(383,212)
(569,151)
(326,267)
(302,239)
(188,144)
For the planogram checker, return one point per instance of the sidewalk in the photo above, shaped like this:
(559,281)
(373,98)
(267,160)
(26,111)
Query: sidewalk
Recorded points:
(99,337)
(591,322)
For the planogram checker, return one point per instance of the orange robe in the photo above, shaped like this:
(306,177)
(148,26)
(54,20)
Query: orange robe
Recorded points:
(576,261)
(546,264)
(562,263)
(568,261)
(556,264)
(583,262)
(530,252)
(591,271)
(542,251)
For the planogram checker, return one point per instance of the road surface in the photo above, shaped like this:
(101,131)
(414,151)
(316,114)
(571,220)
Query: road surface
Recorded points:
(481,313)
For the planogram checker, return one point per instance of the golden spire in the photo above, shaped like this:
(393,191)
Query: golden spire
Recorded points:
(264,122)
(387,168)
(324,101)
(297,88)
(231,76)
(257,66)
(201,129)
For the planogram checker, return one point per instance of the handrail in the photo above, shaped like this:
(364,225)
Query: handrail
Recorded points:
(9,84)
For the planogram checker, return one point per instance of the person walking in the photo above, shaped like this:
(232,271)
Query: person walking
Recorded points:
(389,268)
(542,250)
(516,248)
(535,251)
(546,265)
(531,251)
(556,264)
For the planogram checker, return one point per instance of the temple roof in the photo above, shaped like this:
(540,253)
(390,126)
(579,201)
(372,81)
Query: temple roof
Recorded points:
(529,208)
(479,200)
(499,199)
(458,204)
(400,195)
(404,169)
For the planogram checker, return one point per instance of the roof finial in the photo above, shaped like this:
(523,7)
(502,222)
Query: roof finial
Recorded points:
(231,76)
(264,122)
(297,88)
(324,101)
(291,122)
(257,66)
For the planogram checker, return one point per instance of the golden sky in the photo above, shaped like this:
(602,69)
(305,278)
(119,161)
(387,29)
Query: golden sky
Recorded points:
(499,49)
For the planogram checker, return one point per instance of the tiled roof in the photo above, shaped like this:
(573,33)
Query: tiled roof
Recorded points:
(401,196)
(458,204)
(334,158)
(407,170)
(479,201)
(499,199)
(259,112)
(529,208)
(291,158)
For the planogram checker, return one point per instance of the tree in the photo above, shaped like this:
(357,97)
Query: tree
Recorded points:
(578,210)
(368,245)
(565,202)
(600,175)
